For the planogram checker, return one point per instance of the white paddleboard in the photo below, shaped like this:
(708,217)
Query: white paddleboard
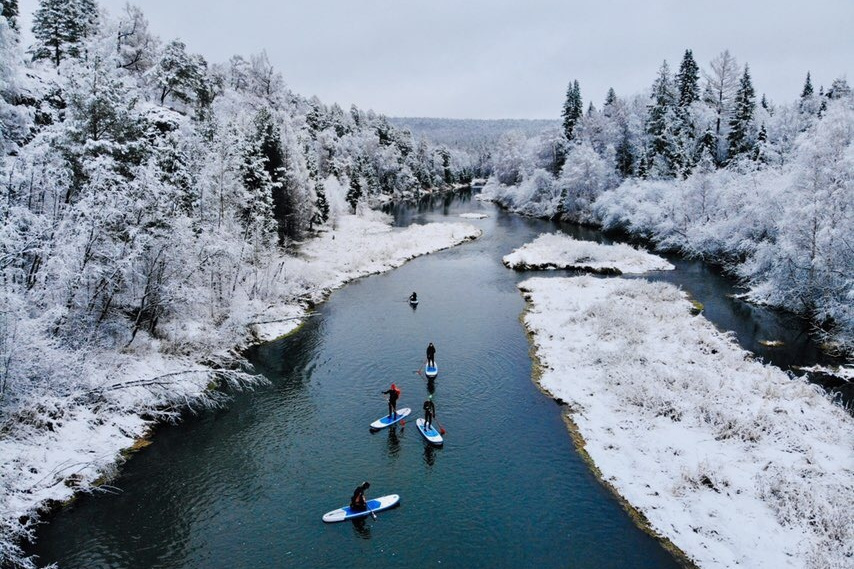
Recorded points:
(431,371)
(374,504)
(413,302)
(432,435)
(387,421)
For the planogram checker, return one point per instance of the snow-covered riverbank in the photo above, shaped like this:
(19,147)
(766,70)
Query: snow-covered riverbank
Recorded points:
(560,251)
(75,439)
(731,460)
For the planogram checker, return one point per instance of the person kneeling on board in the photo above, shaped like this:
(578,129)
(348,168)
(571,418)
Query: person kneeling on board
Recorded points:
(393,393)
(358,502)
(429,412)
(413,297)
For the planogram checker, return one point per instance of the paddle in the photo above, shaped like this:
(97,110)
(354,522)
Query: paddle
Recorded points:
(373,515)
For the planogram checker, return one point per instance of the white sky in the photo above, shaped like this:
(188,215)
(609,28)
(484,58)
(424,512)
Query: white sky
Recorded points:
(502,58)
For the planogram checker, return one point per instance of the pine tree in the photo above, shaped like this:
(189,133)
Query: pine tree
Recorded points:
(662,127)
(61,26)
(625,154)
(742,132)
(354,194)
(573,109)
(807,91)
(10,12)
(688,80)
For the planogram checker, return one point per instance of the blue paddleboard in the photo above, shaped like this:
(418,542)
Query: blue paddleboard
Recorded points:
(431,371)
(432,435)
(374,505)
(387,421)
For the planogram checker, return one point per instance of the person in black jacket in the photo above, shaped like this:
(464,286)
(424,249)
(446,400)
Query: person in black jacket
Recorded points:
(393,393)
(431,355)
(429,412)
(357,501)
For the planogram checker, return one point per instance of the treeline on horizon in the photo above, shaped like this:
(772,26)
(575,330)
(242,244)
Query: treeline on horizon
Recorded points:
(699,164)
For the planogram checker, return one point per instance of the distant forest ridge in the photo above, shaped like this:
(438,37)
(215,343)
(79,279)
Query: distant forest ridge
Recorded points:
(470,133)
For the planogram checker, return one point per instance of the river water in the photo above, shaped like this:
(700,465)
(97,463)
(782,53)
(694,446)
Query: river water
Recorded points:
(246,486)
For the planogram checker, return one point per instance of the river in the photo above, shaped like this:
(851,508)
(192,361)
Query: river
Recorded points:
(246,486)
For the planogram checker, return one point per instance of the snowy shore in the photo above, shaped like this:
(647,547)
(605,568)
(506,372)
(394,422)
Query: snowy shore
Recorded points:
(733,461)
(560,251)
(76,440)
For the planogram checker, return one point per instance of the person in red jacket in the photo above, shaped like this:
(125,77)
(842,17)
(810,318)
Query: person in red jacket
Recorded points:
(393,394)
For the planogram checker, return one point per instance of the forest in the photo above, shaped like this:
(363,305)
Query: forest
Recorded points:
(702,165)
(144,186)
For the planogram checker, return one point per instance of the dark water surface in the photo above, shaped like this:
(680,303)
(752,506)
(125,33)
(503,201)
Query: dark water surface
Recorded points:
(246,486)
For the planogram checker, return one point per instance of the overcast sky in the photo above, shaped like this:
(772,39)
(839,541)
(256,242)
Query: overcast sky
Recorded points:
(501,58)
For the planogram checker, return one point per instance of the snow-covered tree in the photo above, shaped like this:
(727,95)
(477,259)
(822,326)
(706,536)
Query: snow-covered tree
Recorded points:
(61,26)
(742,126)
(573,109)
(719,92)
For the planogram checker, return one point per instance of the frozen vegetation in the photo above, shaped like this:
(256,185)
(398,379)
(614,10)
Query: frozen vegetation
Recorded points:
(703,165)
(560,251)
(735,462)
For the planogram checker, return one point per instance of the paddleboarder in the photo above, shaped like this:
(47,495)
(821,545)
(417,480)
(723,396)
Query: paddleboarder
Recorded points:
(413,297)
(429,412)
(358,502)
(393,393)
(431,354)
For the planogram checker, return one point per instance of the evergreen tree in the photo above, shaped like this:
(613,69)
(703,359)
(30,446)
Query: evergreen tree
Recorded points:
(573,109)
(742,132)
(625,154)
(688,80)
(354,194)
(807,91)
(61,26)
(608,109)
(662,127)
(10,12)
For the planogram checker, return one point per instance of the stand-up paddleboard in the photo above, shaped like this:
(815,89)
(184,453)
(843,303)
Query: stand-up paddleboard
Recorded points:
(374,505)
(431,371)
(413,302)
(386,421)
(432,435)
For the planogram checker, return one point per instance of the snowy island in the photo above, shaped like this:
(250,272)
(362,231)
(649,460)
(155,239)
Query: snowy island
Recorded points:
(560,251)
(734,462)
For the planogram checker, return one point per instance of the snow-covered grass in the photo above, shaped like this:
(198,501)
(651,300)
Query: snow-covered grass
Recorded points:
(560,251)
(735,462)
(71,441)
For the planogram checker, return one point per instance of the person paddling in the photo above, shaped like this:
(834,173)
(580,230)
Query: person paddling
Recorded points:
(431,355)
(413,297)
(429,412)
(393,393)
(357,501)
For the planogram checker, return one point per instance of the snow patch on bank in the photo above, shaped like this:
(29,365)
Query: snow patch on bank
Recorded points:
(473,215)
(560,251)
(75,438)
(735,462)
